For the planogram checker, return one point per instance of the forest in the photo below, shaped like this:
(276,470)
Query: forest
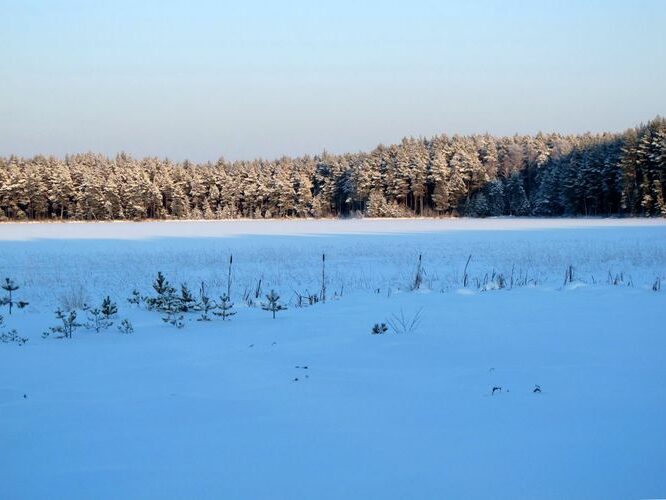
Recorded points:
(476,176)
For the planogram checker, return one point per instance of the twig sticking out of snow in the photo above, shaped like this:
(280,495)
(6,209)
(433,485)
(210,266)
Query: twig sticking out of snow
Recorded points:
(403,324)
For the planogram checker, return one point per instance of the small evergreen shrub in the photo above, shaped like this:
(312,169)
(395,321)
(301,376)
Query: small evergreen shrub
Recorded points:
(135,298)
(101,318)
(11,336)
(126,327)
(379,328)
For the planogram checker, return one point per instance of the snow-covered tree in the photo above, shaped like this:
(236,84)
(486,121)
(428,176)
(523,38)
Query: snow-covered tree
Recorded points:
(560,174)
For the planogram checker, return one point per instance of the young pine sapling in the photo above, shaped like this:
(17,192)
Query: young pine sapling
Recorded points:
(379,328)
(225,307)
(10,287)
(11,335)
(109,308)
(273,305)
(166,294)
(135,298)
(187,302)
(125,327)
(68,326)
(172,314)
(205,304)
(101,318)
(96,319)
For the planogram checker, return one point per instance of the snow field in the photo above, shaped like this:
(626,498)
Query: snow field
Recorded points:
(214,410)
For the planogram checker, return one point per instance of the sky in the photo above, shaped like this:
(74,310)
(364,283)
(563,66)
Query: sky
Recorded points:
(246,79)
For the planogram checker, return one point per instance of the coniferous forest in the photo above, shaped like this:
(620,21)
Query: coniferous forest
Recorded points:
(478,175)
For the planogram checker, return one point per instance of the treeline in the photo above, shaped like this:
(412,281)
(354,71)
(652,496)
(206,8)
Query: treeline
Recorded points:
(478,175)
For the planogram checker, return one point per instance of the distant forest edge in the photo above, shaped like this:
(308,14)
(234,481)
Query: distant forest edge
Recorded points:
(478,175)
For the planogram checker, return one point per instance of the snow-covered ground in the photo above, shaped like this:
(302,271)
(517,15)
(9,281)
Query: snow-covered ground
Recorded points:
(214,410)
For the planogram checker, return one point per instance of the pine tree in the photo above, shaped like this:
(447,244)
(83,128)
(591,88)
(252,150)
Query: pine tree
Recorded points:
(126,327)
(585,174)
(68,326)
(462,167)
(180,205)
(418,157)
(108,308)
(11,336)
(205,304)
(96,319)
(166,294)
(186,299)
(518,203)
(379,328)
(479,205)
(62,191)
(398,188)
(173,316)
(135,298)
(377,206)
(225,307)
(10,287)
(273,305)
(495,198)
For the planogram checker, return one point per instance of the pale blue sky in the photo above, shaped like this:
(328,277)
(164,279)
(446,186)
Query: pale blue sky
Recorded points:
(204,79)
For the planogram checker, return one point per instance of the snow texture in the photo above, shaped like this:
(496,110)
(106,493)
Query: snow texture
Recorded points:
(311,405)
